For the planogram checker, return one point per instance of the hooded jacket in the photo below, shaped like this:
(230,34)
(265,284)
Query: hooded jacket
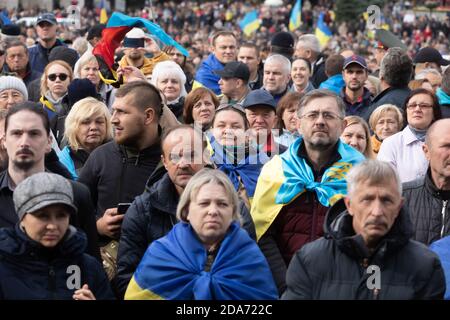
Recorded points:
(205,74)
(428,208)
(444,102)
(30,271)
(151,216)
(339,265)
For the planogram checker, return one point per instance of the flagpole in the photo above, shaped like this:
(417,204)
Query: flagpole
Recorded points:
(151,8)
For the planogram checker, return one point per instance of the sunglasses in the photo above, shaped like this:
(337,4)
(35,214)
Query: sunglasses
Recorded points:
(61,76)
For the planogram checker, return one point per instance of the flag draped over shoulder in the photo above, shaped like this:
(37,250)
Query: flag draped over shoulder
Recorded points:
(296,16)
(323,33)
(173,268)
(287,176)
(250,23)
(116,29)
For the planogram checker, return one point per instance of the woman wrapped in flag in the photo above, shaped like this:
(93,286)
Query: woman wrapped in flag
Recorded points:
(232,152)
(206,256)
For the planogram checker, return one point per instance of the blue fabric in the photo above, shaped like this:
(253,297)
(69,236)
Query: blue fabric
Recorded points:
(334,83)
(442,249)
(206,76)
(300,177)
(248,168)
(38,55)
(118,19)
(173,268)
(67,161)
(442,96)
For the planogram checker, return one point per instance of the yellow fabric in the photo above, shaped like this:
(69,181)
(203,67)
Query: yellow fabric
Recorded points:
(134,292)
(47,103)
(376,144)
(264,210)
(149,64)
(103,16)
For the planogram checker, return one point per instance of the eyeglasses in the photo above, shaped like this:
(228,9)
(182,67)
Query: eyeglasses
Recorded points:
(327,116)
(61,76)
(421,105)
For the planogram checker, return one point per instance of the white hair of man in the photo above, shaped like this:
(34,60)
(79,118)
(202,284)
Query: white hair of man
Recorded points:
(423,74)
(282,60)
(309,41)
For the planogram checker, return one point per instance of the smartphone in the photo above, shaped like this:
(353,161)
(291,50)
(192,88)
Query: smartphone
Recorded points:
(123,207)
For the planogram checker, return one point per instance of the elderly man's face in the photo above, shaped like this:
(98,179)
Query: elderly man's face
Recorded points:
(276,78)
(9,98)
(438,151)
(17,58)
(321,123)
(374,208)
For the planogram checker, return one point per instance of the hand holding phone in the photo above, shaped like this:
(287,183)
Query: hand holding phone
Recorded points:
(123,207)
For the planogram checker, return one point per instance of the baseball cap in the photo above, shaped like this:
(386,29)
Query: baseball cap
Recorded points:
(47,17)
(429,54)
(42,190)
(355,59)
(135,38)
(234,69)
(259,97)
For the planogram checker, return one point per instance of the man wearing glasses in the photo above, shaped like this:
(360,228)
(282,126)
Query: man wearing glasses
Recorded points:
(295,189)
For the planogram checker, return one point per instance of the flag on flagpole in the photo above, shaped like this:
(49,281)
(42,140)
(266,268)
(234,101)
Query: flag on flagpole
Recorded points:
(250,23)
(296,16)
(103,13)
(323,33)
(4,18)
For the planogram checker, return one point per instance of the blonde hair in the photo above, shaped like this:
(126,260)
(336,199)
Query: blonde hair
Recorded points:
(44,86)
(81,110)
(201,178)
(351,120)
(381,111)
(86,58)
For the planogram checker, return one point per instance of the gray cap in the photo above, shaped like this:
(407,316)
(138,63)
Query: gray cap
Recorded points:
(42,190)
(259,97)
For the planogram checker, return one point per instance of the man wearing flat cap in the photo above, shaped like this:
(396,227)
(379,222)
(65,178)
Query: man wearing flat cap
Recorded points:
(46,27)
(234,82)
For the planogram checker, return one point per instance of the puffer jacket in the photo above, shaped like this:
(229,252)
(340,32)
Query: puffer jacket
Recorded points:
(151,216)
(428,208)
(30,271)
(339,265)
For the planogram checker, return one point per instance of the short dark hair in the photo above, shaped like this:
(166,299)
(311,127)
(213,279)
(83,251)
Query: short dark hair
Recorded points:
(144,95)
(437,114)
(308,64)
(286,102)
(34,107)
(16,43)
(334,65)
(192,98)
(251,45)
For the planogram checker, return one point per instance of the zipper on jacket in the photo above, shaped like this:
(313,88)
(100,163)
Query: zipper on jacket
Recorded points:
(52,282)
(443,212)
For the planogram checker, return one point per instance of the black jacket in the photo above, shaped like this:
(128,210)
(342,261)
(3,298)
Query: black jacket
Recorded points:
(337,265)
(428,208)
(115,174)
(151,216)
(30,271)
(395,96)
(319,74)
(84,219)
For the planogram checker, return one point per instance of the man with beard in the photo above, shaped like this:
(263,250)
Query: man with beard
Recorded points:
(117,171)
(46,27)
(27,140)
(134,49)
(357,98)
(295,189)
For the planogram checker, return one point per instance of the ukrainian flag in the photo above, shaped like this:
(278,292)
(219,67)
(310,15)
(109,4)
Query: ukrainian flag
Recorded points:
(250,23)
(296,16)
(103,14)
(287,176)
(323,33)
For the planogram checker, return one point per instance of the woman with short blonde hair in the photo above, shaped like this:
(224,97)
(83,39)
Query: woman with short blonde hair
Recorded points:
(357,135)
(87,127)
(384,121)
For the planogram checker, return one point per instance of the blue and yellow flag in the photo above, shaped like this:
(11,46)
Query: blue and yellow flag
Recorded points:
(103,14)
(287,176)
(323,33)
(296,16)
(173,268)
(250,23)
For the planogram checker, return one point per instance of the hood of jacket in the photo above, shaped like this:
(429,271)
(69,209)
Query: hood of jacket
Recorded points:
(338,226)
(14,243)
(442,97)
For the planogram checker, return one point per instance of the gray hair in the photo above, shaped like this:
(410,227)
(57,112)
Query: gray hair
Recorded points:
(201,178)
(321,93)
(86,58)
(169,68)
(309,41)
(280,59)
(446,81)
(423,74)
(396,68)
(373,171)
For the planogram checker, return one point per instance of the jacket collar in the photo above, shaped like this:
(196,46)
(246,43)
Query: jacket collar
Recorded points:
(433,190)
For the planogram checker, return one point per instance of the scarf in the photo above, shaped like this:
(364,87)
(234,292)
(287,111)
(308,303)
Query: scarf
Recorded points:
(173,267)
(419,134)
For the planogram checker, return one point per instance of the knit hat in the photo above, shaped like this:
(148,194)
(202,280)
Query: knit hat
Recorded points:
(10,32)
(42,190)
(79,89)
(65,54)
(11,82)
(283,43)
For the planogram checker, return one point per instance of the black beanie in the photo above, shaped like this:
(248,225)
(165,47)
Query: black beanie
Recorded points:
(283,39)
(65,54)
(79,89)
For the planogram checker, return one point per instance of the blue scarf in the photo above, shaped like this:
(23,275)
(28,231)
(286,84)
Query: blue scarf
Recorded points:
(173,268)
(248,169)
(299,176)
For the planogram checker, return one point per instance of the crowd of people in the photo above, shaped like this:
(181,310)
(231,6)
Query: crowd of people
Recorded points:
(263,167)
